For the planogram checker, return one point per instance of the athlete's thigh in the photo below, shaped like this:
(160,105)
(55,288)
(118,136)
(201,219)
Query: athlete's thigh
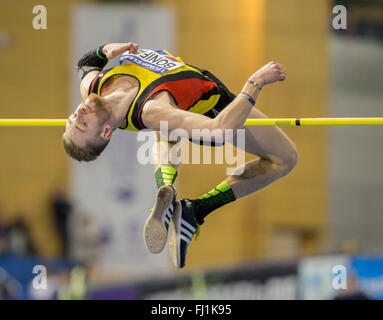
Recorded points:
(266,142)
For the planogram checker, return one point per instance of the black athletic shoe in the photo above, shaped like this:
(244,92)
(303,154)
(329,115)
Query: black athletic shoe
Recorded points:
(184,228)
(157,225)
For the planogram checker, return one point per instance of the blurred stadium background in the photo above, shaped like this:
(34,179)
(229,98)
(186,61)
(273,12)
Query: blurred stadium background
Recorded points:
(84,222)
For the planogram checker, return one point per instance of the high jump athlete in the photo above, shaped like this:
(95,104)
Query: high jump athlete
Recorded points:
(150,86)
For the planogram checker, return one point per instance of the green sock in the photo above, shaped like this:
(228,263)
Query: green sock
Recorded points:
(165,175)
(214,199)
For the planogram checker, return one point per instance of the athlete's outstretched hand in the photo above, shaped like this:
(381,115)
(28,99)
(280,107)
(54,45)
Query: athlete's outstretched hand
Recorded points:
(269,73)
(112,50)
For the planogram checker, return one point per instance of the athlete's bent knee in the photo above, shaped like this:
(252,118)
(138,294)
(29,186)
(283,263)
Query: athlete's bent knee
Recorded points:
(290,162)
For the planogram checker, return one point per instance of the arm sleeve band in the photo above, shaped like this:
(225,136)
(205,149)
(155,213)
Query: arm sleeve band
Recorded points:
(93,60)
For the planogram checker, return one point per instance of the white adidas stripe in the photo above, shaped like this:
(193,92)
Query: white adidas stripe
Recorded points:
(188,225)
(187,232)
(168,215)
(184,238)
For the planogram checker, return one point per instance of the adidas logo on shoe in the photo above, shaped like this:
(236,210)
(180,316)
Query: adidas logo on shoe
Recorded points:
(184,228)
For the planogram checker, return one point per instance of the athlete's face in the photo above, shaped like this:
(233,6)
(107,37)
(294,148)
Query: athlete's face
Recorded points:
(87,122)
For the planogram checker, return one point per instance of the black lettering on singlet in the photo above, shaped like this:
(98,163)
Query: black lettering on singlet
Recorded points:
(153,58)
(158,60)
(144,54)
(160,63)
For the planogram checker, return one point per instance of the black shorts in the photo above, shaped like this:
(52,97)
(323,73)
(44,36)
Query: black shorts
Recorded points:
(226,98)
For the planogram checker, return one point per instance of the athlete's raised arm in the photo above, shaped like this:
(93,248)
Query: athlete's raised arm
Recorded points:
(232,117)
(95,60)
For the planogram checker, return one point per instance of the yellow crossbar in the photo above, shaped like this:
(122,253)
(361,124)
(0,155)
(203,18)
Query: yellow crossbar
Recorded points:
(314,122)
(32,122)
(248,122)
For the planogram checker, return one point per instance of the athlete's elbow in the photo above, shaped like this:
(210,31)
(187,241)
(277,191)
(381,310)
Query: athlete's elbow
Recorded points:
(226,129)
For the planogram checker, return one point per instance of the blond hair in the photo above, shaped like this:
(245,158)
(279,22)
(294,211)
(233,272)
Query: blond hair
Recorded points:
(88,153)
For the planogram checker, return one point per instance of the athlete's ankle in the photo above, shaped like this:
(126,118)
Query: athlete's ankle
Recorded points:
(199,213)
(165,175)
(211,201)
